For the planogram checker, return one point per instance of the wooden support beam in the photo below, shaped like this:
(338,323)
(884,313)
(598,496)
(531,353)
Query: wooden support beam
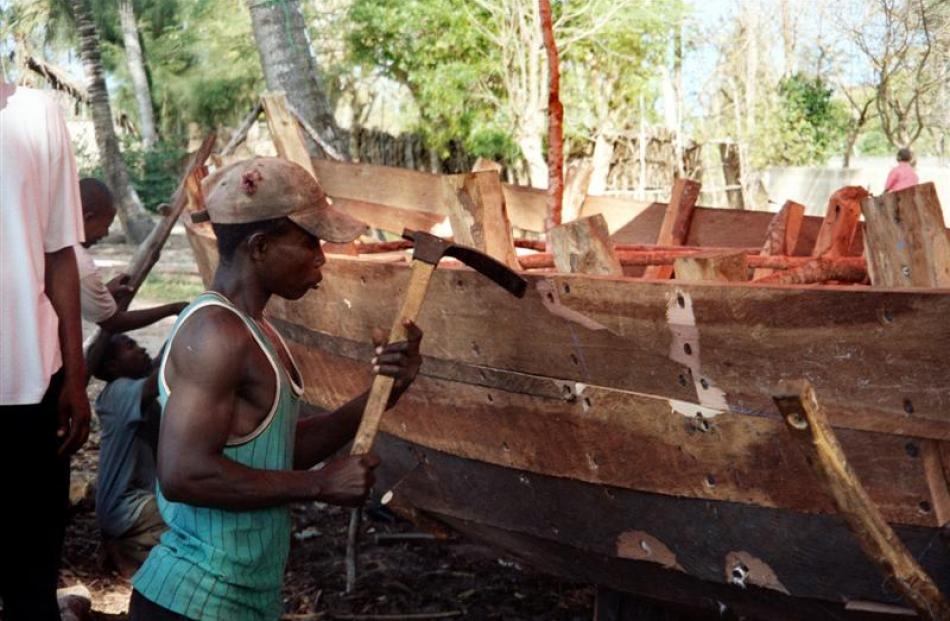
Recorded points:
(782,235)
(732,266)
(241,133)
(575,189)
(676,221)
(584,247)
(809,425)
(476,207)
(841,223)
(149,251)
(284,130)
(819,270)
(905,239)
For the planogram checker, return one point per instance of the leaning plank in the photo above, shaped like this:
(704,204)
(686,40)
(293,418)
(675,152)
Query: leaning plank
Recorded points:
(584,247)
(148,253)
(476,207)
(284,130)
(809,425)
(906,241)
(389,218)
(782,234)
(675,227)
(836,237)
(241,133)
(575,189)
(733,266)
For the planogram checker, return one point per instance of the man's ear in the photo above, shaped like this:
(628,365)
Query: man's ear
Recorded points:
(257,245)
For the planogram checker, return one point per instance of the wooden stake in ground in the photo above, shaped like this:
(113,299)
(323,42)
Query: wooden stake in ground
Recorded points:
(809,425)
(676,221)
(555,120)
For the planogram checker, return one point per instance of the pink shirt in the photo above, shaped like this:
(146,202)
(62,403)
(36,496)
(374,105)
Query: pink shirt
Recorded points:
(901,176)
(40,213)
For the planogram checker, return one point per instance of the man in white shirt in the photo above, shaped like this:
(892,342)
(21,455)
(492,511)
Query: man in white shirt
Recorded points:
(44,410)
(99,299)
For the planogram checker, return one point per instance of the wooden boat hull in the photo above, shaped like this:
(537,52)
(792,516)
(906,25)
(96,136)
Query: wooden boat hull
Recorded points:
(622,431)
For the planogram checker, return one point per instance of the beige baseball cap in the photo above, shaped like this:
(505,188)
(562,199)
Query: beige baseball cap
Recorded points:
(265,188)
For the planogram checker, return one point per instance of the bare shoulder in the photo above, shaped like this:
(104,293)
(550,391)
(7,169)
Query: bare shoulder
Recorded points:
(212,344)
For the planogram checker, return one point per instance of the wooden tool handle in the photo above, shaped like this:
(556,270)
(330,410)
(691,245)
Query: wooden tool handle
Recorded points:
(383,385)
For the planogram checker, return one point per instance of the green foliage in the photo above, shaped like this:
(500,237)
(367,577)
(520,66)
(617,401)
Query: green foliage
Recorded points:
(154,174)
(810,122)
(431,47)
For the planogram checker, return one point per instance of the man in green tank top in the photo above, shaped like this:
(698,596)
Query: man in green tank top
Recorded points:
(232,452)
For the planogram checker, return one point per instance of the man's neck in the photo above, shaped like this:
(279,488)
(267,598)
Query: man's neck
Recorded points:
(242,288)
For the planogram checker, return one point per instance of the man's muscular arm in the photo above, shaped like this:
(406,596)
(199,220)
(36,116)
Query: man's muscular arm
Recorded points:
(321,434)
(207,363)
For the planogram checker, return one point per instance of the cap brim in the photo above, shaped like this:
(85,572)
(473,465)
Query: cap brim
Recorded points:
(329,224)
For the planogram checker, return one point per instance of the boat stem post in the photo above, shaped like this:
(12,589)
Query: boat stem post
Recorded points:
(809,425)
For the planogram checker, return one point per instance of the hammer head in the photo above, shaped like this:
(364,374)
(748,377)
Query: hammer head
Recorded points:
(431,249)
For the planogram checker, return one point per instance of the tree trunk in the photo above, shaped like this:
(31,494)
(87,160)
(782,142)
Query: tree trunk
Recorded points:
(555,119)
(602,158)
(531,146)
(289,66)
(136,62)
(135,221)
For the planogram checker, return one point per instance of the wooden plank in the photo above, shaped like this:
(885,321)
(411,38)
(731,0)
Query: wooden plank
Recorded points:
(476,207)
(721,227)
(906,241)
(808,424)
(616,211)
(284,130)
(575,189)
(483,164)
(676,221)
(733,266)
(836,236)
(617,438)
(814,556)
(782,235)
(421,191)
(390,219)
(620,334)
(583,246)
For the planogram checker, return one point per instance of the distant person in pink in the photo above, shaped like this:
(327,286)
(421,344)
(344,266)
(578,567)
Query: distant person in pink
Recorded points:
(903,175)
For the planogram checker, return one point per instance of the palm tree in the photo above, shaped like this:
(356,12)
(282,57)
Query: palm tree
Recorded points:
(289,66)
(135,221)
(134,58)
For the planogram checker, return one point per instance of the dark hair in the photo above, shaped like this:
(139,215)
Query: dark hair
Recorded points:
(95,196)
(103,370)
(904,155)
(230,236)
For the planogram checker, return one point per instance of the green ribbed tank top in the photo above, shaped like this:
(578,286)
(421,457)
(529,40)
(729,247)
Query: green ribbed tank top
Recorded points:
(215,564)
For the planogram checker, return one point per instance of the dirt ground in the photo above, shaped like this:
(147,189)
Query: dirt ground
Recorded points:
(434,579)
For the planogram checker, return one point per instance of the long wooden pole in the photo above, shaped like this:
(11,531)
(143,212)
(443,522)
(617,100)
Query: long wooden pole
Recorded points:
(148,252)
(555,120)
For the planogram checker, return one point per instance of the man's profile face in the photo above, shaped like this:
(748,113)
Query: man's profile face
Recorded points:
(129,359)
(96,224)
(292,262)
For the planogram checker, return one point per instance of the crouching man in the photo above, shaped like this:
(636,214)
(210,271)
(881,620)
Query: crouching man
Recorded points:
(129,414)
(232,454)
